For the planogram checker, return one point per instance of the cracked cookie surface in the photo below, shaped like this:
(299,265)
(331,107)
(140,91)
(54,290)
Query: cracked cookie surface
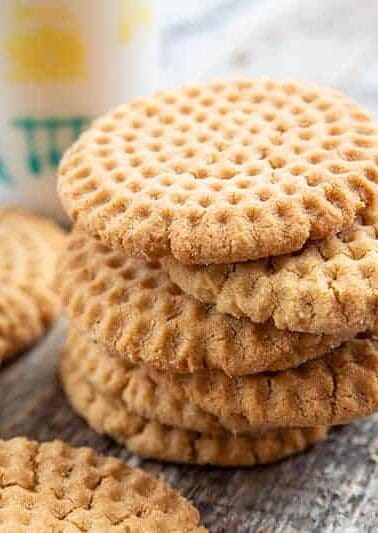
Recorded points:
(107,412)
(133,308)
(222,172)
(328,287)
(136,389)
(335,389)
(54,487)
(29,247)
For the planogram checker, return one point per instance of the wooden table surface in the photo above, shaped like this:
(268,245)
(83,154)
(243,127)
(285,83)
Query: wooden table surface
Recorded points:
(333,487)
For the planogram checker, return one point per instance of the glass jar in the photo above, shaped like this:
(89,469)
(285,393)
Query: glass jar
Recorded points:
(63,62)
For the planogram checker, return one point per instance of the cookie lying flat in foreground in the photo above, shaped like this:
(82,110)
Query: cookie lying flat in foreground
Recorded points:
(53,487)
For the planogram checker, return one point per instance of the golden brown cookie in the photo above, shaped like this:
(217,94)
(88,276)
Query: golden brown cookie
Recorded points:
(106,413)
(29,247)
(141,392)
(335,389)
(133,308)
(223,171)
(53,487)
(330,286)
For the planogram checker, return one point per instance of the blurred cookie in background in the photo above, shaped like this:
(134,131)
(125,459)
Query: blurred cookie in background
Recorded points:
(29,245)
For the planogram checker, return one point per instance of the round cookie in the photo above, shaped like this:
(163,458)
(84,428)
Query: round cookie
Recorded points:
(330,286)
(335,389)
(149,438)
(53,487)
(29,247)
(133,308)
(222,172)
(136,390)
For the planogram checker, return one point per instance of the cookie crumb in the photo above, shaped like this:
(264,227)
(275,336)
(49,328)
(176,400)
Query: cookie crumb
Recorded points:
(373,454)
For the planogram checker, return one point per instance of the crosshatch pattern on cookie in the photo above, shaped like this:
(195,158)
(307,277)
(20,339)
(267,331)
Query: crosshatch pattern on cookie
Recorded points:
(20,321)
(335,389)
(138,390)
(330,286)
(29,246)
(105,414)
(222,172)
(133,308)
(52,486)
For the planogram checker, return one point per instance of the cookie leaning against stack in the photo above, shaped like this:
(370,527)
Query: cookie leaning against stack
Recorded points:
(29,247)
(227,334)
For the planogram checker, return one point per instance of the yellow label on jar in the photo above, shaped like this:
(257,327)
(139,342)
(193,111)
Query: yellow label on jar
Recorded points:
(45,44)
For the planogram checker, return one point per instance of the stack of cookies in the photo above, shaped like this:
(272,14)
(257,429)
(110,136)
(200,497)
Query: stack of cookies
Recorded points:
(222,276)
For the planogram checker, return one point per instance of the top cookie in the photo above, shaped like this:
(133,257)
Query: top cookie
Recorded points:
(53,487)
(29,247)
(222,172)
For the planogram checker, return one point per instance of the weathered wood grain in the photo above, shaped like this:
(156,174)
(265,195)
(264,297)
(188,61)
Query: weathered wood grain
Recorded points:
(334,487)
